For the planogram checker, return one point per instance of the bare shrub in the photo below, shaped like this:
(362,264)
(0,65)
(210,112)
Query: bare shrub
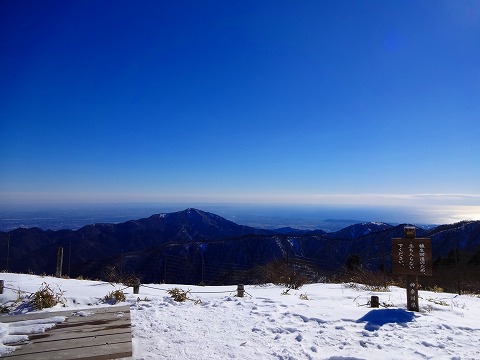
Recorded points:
(113,275)
(45,297)
(280,272)
(115,296)
(361,279)
(130,280)
(4,309)
(180,295)
(286,292)
(144,299)
(304,297)
(437,301)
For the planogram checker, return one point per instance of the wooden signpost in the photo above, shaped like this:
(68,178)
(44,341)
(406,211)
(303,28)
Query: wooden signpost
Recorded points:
(412,256)
(59,262)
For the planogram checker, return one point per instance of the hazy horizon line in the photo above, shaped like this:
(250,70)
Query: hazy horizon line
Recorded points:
(334,199)
(427,214)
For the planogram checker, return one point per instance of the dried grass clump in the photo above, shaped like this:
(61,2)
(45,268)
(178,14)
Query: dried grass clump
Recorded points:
(438,289)
(304,297)
(45,297)
(115,296)
(180,295)
(438,302)
(286,292)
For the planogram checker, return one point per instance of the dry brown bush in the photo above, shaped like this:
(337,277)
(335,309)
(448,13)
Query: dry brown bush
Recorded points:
(115,296)
(366,280)
(45,297)
(113,275)
(180,295)
(280,272)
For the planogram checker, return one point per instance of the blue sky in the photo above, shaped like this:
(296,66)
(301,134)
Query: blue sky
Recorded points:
(324,102)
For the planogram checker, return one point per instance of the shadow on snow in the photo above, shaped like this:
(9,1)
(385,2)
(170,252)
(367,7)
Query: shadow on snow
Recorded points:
(377,318)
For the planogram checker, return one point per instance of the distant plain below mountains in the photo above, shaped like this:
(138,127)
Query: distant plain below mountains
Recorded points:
(193,246)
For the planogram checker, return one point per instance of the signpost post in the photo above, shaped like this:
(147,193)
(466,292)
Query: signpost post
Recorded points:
(412,256)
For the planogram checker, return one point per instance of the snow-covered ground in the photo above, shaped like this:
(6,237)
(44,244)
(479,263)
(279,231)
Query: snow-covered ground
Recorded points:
(319,321)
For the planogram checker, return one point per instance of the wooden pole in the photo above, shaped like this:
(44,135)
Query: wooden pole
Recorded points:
(412,281)
(8,251)
(121,265)
(203,271)
(136,286)
(412,257)
(384,265)
(59,262)
(412,293)
(69,259)
(1,286)
(165,268)
(240,290)
(457,274)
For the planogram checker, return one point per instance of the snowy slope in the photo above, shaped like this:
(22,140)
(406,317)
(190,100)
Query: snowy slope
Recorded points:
(332,322)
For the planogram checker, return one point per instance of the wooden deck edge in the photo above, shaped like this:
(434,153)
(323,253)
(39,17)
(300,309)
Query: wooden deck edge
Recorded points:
(105,334)
(98,352)
(68,313)
(30,350)
(61,337)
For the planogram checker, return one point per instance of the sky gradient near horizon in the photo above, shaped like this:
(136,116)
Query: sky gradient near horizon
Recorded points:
(323,102)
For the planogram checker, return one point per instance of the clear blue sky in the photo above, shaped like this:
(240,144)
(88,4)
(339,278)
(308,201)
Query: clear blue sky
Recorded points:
(240,101)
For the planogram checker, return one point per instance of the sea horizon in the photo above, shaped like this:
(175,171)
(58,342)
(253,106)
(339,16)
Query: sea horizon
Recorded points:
(268,216)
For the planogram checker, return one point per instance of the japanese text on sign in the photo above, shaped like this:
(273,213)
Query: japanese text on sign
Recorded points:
(412,256)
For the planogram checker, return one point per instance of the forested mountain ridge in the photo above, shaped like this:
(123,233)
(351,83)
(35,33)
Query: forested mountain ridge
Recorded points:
(198,239)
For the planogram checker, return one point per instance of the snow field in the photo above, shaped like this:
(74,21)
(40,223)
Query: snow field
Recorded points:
(334,321)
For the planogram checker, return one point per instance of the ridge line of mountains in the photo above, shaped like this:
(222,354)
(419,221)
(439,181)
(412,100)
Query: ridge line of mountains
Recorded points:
(191,246)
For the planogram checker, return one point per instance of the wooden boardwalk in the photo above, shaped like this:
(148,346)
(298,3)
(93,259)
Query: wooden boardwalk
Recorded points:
(95,333)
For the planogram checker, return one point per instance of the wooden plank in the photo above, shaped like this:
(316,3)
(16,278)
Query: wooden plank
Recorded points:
(68,313)
(49,346)
(78,324)
(103,352)
(412,256)
(92,325)
(83,332)
(104,334)
(73,343)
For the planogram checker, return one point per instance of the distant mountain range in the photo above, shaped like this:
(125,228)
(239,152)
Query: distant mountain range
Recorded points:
(193,246)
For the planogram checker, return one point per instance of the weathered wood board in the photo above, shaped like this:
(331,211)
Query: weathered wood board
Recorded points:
(412,256)
(101,333)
